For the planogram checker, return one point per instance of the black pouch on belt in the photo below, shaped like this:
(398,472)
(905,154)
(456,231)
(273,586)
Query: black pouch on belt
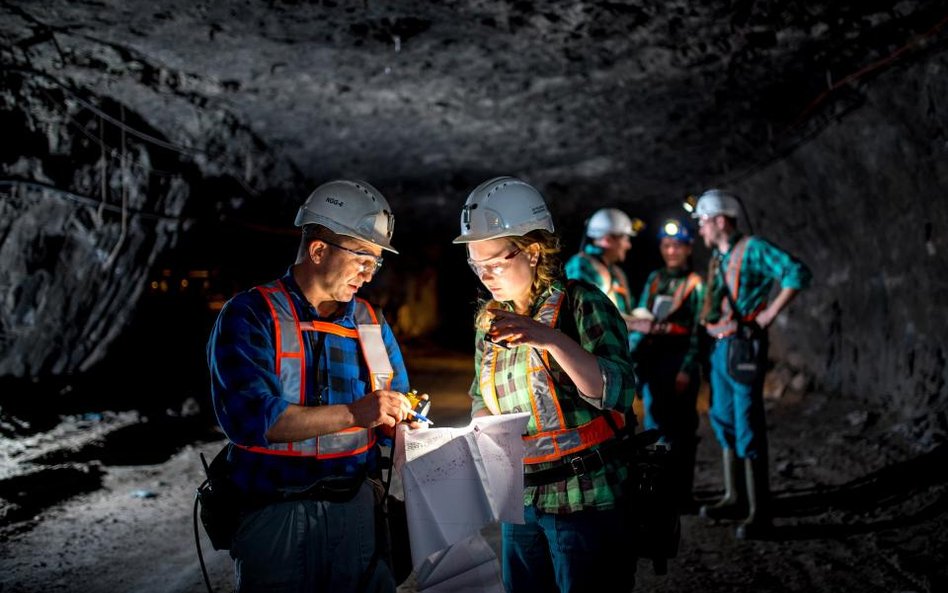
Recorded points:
(744,354)
(221,504)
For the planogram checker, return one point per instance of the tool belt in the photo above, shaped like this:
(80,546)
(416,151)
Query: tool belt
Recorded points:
(589,462)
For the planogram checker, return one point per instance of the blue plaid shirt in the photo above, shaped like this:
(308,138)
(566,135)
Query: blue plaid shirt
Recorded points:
(246,391)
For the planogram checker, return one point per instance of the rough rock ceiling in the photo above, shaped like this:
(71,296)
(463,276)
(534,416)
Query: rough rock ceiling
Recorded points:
(129,124)
(630,100)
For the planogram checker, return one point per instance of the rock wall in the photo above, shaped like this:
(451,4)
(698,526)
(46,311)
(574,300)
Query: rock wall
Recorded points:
(863,203)
(90,196)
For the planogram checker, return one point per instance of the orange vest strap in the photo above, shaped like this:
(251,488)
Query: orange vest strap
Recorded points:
(328,328)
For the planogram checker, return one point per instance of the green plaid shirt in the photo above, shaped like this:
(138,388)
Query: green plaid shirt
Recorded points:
(764,263)
(579,267)
(668,281)
(601,331)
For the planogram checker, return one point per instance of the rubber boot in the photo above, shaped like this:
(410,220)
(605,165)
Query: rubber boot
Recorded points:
(734,504)
(757,524)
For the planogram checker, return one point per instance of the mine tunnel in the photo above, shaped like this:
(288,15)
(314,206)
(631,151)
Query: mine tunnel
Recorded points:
(155,154)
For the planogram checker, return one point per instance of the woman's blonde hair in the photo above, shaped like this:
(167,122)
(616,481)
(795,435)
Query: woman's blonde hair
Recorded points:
(548,270)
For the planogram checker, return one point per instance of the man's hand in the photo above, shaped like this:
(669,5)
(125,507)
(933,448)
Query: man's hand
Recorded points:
(641,325)
(381,407)
(765,317)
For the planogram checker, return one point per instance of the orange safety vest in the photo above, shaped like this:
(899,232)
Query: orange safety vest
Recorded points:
(553,438)
(291,367)
(681,294)
(611,284)
(727,324)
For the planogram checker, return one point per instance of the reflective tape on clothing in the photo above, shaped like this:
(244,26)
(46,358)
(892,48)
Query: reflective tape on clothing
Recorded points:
(290,366)
(553,438)
(727,323)
(681,294)
(612,280)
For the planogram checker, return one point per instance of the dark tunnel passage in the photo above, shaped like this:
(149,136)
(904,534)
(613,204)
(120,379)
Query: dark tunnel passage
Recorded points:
(154,155)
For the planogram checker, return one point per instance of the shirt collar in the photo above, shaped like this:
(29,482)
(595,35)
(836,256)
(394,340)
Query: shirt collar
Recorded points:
(732,241)
(593,250)
(557,285)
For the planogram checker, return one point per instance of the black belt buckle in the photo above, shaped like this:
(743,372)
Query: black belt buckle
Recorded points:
(578,463)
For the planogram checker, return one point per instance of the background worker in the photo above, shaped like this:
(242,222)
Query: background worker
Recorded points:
(601,253)
(746,268)
(303,406)
(666,352)
(559,351)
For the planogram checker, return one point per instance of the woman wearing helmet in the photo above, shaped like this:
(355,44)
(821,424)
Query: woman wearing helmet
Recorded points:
(665,346)
(558,351)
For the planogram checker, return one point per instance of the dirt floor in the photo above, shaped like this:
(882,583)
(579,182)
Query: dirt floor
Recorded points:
(103,502)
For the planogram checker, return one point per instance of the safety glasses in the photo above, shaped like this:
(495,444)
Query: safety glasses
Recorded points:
(369,263)
(496,268)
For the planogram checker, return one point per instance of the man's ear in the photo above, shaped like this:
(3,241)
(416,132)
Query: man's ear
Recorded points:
(317,250)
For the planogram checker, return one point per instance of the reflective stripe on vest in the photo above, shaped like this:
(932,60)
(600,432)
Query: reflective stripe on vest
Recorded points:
(553,438)
(726,324)
(291,368)
(610,284)
(681,294)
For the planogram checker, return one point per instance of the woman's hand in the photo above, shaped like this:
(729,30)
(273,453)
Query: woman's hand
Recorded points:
(514,329)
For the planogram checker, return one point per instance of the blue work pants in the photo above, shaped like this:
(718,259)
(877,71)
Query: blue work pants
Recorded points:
(585,551)
(737,409)
(673,413)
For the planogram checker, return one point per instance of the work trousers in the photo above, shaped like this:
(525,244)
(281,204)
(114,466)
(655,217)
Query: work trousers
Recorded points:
(737,409)
(673,413)
(310,546)
(585,551)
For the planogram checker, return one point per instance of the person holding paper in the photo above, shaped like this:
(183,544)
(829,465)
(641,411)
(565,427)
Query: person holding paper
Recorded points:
(557,350)
(665,347)
(305,378)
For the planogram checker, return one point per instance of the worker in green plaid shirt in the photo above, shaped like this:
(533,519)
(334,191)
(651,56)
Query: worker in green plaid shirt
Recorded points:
(742,272)
(557,350)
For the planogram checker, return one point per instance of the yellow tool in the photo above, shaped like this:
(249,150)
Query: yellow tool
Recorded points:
(419,406)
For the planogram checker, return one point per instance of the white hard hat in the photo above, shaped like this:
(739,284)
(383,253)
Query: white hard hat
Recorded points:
(714,202)
(351,208)
(503,207)
(609,221)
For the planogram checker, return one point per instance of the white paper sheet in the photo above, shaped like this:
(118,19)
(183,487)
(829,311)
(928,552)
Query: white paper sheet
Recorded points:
(456,481)
(480,574)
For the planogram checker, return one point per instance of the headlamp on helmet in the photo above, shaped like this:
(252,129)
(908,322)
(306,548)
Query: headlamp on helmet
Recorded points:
(675,229)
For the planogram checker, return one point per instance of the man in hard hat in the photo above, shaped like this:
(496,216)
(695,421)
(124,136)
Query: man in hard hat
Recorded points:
(736,313)
(665,346)
(305,378)
(604,247)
